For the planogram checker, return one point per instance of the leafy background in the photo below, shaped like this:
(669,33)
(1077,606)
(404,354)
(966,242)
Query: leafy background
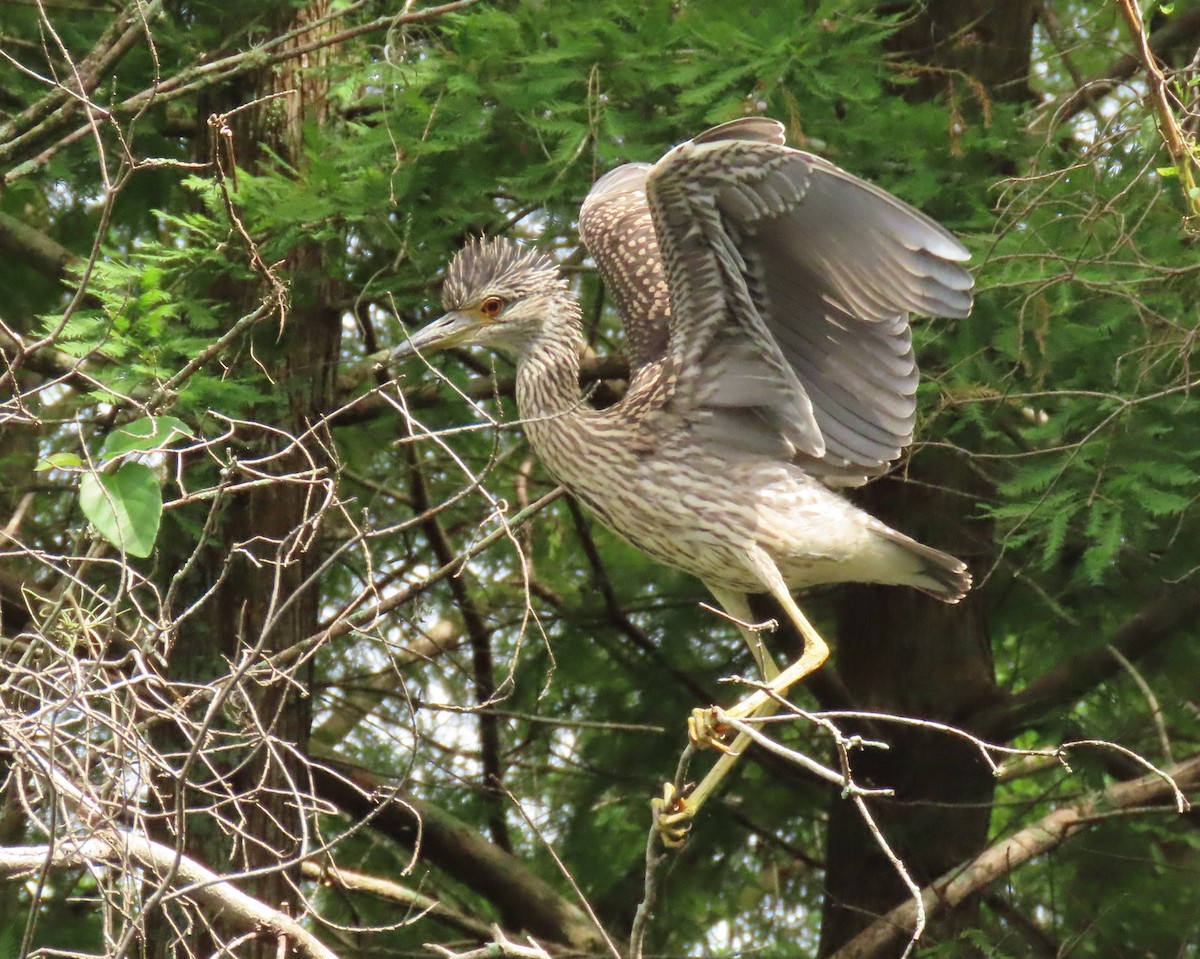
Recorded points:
(254,201)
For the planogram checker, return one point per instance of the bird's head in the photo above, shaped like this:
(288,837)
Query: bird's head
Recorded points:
(497,294)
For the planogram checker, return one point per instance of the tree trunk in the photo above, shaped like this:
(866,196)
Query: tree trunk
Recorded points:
(266,545)
(902,653)
(898,651)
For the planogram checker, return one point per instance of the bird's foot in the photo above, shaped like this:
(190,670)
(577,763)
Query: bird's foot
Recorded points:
(707,729)
(673,816)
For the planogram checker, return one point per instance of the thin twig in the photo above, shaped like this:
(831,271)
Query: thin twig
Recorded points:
(1182,153)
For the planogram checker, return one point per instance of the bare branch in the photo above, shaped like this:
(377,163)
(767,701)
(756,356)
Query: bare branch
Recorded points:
(1160,97)
(121,848)
(523,898)
(1004,857)
(1153,625)
(501,947)
(1181,27)
(353,881)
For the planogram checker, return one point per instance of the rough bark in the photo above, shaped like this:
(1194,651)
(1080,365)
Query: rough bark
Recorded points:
(897,651)
(265,599)
(903,653)
(957,43)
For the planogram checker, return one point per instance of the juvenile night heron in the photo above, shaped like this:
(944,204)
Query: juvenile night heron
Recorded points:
(765,295)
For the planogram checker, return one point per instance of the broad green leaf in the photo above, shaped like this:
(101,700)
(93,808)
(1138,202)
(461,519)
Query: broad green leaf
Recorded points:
(58,461)
(148,433)
(124,506)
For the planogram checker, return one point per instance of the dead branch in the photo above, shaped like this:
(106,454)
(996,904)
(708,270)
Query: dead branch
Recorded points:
(420,905)
(524,899)
(119,848)
(1149,628)
(1007,855)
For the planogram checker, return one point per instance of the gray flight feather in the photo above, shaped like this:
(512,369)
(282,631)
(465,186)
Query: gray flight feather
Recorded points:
(779,287)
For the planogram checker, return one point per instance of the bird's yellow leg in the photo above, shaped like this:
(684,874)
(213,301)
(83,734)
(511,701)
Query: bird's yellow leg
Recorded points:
(815,651)
(673,813)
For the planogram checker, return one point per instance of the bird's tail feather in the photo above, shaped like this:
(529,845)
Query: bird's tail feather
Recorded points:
(940,574)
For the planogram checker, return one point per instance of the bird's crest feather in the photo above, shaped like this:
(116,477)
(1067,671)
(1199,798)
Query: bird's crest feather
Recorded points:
(497,266)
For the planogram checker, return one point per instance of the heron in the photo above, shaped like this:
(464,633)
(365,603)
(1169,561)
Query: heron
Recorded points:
(765,296)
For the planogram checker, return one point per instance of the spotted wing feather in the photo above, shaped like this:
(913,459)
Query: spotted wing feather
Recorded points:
(615,224)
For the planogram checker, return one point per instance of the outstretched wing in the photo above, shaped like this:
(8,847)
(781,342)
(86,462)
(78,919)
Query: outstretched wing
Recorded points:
(790,286)
(616,226)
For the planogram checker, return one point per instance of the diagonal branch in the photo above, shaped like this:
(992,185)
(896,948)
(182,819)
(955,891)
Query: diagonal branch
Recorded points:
(121,848)
(1179,28)
(1004,857)
(205,74)
(524,899)
(57,108)
(33,247)
(1149,628)
(1160,99)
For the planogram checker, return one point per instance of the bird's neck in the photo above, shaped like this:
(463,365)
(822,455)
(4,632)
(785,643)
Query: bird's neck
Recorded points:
(548,373)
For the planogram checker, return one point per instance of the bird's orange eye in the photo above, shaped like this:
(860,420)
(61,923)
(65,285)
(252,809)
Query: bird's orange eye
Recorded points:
(492,307)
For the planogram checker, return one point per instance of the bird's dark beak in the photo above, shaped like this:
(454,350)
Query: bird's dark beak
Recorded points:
(446,331)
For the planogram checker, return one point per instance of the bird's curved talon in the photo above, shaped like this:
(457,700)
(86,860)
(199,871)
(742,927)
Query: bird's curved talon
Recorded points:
(672,816)
(706,730)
